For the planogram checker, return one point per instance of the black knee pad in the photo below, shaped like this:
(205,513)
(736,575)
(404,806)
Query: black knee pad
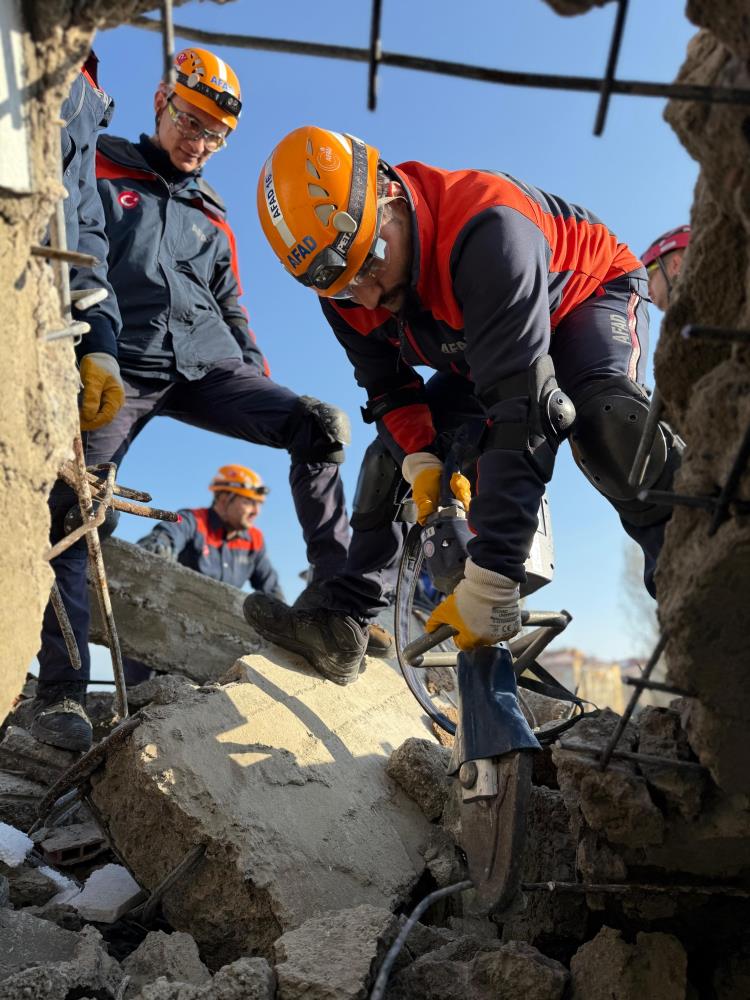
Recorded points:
(611,414)
(380,489)
(318,432)
(550,415)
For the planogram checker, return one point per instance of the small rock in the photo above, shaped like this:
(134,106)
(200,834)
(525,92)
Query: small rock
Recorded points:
(608,968)
(245,979)
(161,689)
(19,799)
(19,751)
(420,767)
(30,886)
(661,735)
(27,941)
(597,862)
(336,955)
(171,956)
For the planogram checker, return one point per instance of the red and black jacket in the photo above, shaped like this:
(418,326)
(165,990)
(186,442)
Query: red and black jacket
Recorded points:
(497,265)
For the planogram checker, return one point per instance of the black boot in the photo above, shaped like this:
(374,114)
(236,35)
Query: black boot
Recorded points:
(331,642)
(379,640)
(60,716)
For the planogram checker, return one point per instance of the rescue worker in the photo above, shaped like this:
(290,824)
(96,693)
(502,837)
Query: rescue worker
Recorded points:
(663,262)
(86,110)
(186,349)
(524,303)
(220,541)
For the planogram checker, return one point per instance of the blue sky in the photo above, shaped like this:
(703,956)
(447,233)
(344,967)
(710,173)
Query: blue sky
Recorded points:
(636,177)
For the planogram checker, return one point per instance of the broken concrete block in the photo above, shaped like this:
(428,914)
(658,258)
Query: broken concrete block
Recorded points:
(496,971)
(337,955)
(661,734)
(19,751)
(245,979)
(161,689)
(109,893)
(70,845)
(4,891)
(277,777)
(14,845)
(171,956)
(189,624)
(29,941)
(19,799)
(420,767)
(608,968)
(29,886)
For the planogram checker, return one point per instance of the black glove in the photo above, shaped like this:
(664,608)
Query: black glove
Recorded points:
(158,544)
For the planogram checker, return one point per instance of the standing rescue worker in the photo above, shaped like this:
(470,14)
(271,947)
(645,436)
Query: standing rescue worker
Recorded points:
(522,301)
(186,350)
(663,262)
(86,110)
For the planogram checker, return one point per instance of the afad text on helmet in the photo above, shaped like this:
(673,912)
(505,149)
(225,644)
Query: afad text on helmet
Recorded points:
(303,249)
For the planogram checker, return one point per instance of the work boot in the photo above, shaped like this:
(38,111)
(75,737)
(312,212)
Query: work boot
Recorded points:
(379,640)
(331,642)
(60,717)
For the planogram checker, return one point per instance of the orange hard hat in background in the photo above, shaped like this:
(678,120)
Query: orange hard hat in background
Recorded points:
(240,480)
(207,82)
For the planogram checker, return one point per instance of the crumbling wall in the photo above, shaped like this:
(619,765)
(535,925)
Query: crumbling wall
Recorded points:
(704,579)
(39,415)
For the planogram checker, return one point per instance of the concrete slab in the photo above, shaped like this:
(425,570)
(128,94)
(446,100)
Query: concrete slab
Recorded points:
(283,778)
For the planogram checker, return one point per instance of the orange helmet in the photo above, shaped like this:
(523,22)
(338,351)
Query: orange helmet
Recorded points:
(240,480)
(208,83)
(318,206)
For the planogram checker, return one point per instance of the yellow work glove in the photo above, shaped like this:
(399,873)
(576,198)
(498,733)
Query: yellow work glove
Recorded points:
(483,609)
(103,392)
(424,472)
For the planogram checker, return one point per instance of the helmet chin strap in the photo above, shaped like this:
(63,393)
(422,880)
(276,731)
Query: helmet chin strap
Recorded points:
(663,269)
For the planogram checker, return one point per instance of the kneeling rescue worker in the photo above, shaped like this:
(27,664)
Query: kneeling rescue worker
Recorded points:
(525,299)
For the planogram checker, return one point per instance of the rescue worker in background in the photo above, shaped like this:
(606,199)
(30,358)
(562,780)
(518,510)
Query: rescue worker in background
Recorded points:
(525,300)
(186,350)
(86,110)
(220,541)
(663,262)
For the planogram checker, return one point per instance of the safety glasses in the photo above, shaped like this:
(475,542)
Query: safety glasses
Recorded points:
(191,128)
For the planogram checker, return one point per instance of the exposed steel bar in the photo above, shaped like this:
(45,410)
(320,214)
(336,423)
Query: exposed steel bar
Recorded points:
(609,73)
(141,510)
(639,758)
(167,37)
(75,329)
(630,707)
(89,523)
(375,53)
(666,498)
(721,510)
(626,887)
(147,911)
(659,686)
(65,627)
(98,572)
(68,256)
(695,331)
(638,470)
(641,88)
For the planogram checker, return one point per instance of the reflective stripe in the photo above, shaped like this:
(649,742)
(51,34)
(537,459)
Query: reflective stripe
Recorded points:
(272,205)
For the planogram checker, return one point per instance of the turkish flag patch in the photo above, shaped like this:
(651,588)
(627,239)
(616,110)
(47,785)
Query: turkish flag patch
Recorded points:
(129,199)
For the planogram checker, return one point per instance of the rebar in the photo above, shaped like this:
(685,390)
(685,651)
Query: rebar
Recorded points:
(665,498)
(659,686)
(89,522)
(630,707)
(639,758)
(69,256)
(609,73)
(376,50)
(378,990)
(85,298)
(167,37)
(695,331)
(98,572)
(641,88)
(66,628)
(643,453)
(721,510)
(77,328)
(626,887)
(147,911)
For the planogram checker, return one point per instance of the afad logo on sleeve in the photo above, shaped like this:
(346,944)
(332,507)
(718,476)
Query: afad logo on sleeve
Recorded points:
(129,199)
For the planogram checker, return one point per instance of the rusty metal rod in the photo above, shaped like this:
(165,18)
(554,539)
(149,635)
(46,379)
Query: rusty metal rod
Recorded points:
(639,758)
(694,331)
(65,627)
(98,572)
(609,73)
(630,707)
(721,510)
(68,256)
(376,50)
(665,498)
(141,510)
(97,474)
(659,686)
(626,887)
(588,84)
(89,523)
(148,909)
(643,453)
